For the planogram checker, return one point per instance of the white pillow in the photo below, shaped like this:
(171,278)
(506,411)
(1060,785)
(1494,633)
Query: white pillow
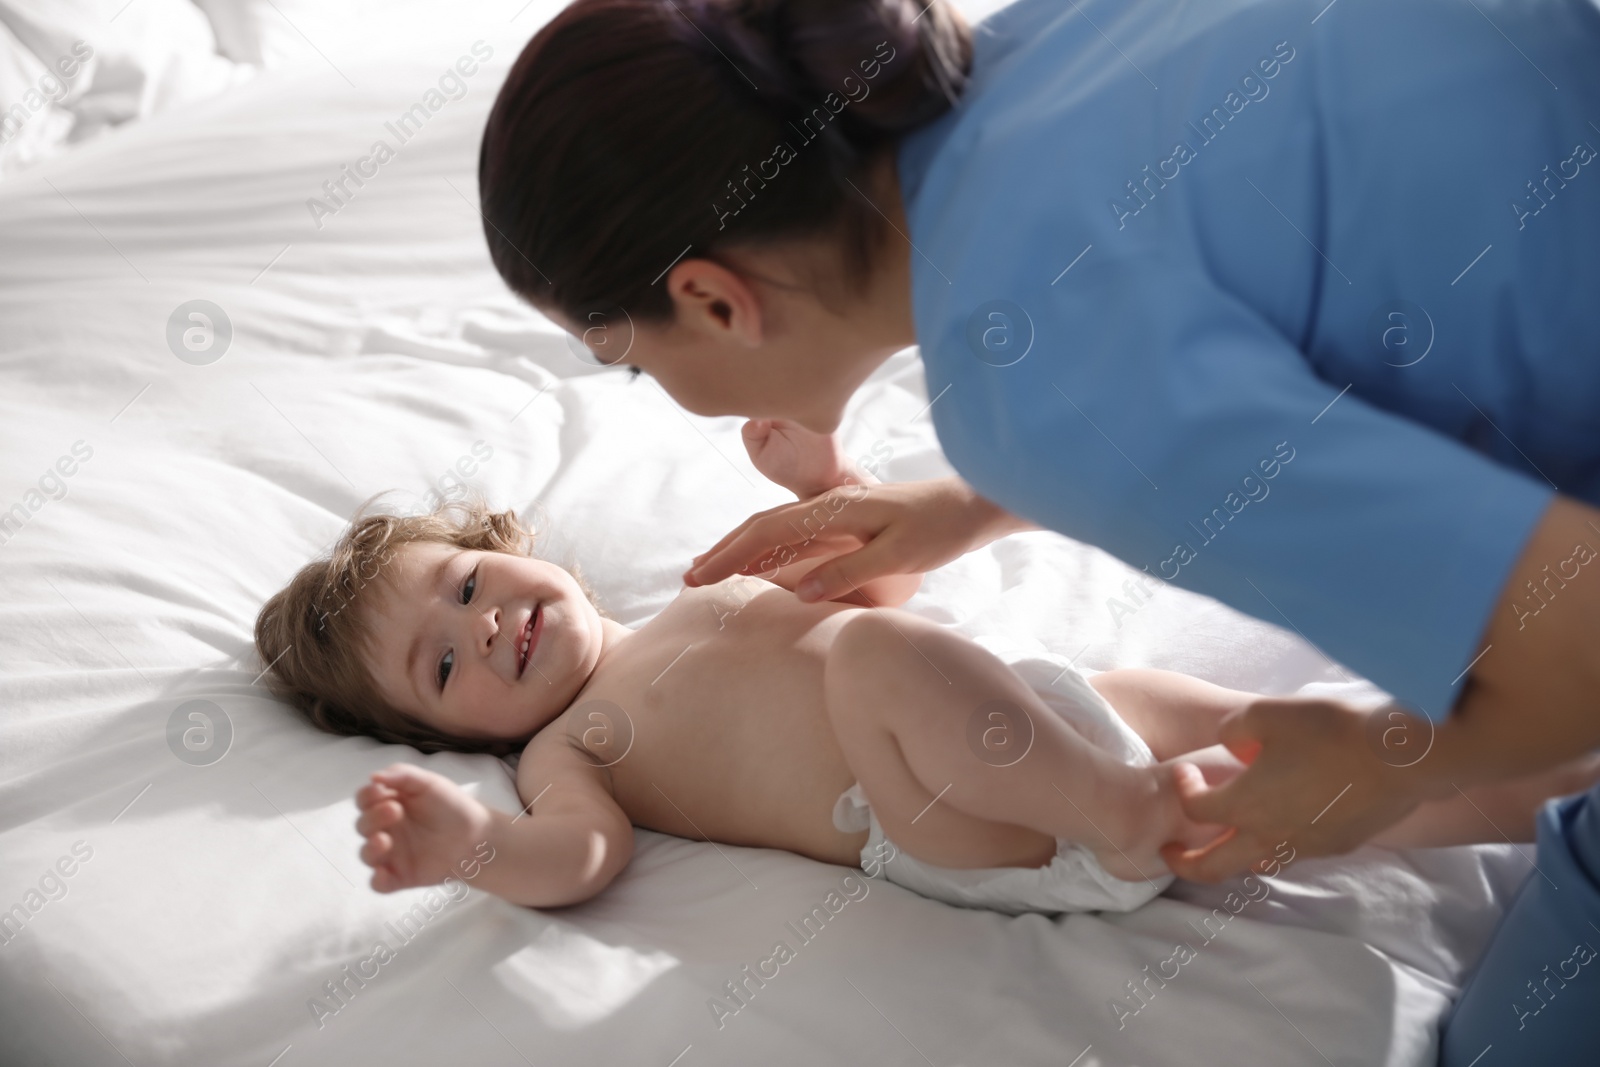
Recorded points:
(33,118)
(149,55)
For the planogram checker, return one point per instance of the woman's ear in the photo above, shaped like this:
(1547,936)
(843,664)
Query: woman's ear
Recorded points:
(713,300)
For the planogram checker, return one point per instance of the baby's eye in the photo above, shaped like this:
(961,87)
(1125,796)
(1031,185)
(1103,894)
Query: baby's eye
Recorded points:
(445,663)
(469,587)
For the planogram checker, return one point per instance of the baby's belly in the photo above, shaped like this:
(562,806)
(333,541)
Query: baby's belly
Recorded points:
(772,799)
(745,768)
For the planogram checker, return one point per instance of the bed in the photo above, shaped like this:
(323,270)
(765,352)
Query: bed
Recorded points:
(179,881)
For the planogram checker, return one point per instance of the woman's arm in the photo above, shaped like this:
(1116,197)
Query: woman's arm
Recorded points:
(1529,702)
(1528,705)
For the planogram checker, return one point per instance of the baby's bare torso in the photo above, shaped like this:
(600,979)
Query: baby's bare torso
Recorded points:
(712,721)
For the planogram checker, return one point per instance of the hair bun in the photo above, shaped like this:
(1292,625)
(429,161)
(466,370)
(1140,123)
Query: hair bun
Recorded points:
(629,132)
(898,63)
(920,49)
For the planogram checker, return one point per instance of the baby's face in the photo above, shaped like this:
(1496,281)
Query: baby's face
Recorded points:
(449,625)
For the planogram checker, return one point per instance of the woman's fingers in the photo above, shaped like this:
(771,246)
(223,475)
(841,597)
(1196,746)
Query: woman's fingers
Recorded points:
(849,572)
(1227,854)
(733,534)
(762,556)
(927,523)
(762,534)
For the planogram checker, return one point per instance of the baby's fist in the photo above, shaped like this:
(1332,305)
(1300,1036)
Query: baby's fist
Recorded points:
(788,454)
(419,827)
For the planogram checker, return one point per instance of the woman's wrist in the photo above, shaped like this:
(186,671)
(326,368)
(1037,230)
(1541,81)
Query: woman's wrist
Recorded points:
(990,521)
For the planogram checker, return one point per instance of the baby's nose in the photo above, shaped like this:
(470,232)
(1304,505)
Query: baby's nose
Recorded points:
(491,627)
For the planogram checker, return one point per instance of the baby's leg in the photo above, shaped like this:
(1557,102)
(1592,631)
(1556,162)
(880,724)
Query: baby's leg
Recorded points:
(915,708)
(1174,713)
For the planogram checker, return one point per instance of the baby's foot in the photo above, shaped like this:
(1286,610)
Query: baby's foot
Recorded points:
(1162,818)
(788,454)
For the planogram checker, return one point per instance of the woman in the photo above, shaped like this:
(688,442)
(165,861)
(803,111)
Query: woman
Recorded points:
(1290,303)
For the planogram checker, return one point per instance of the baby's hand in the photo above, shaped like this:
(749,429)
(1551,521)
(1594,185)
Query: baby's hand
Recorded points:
(419,826)
(788,454)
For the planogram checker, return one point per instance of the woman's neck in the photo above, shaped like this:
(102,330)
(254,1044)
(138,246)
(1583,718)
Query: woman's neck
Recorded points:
(887,315)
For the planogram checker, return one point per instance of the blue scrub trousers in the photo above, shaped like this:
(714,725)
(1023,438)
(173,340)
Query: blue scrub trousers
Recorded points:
(1535,996)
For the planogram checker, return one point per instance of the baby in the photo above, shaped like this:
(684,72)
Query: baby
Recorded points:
(849,731)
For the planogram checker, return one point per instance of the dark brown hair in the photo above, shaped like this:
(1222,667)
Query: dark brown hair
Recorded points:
(313,633)
(628,131)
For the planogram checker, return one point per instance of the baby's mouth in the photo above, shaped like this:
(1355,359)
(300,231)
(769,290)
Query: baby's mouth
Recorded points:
(528,639)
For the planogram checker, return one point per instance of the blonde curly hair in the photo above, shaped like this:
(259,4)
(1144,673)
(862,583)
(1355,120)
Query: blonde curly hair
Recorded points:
(313,647)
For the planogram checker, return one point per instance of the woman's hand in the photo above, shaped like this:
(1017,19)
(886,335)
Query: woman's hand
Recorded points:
(1317,780)
(904,528)
(419,826)
(1325,779)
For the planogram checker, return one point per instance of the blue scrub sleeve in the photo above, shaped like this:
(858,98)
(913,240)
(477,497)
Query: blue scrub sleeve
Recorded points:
(1167,422)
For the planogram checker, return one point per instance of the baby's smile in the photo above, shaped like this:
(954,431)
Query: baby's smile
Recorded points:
(528,639)
(479,643)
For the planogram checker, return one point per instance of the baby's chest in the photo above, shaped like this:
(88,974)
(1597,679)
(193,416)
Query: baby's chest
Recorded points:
(725,675)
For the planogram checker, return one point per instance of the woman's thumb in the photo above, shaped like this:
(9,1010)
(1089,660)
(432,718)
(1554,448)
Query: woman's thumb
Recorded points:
(1241,732)
(1201,802)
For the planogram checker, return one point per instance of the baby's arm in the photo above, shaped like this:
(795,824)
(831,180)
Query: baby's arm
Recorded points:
(421,828)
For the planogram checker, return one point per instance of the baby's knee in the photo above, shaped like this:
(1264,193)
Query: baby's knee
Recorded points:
(882,635)
(856,646)
(862,663)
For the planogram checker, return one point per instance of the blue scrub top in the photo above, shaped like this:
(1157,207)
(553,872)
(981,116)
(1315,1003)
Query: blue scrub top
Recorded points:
(1293,304)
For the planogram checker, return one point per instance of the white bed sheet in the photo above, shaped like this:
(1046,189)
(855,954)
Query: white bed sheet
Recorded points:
(371,353)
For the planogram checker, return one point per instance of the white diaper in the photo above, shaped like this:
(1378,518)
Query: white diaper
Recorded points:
(1074,879)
